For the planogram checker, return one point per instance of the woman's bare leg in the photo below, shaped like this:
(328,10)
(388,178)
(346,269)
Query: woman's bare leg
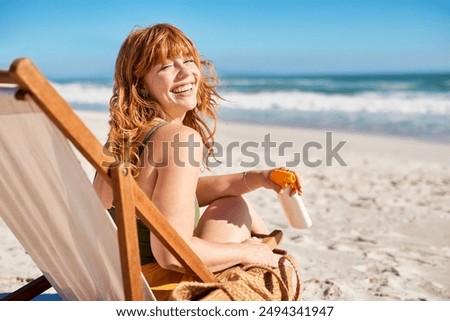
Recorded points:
(229,219)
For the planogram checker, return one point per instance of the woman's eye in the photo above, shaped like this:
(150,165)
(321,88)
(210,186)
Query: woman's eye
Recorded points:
(166,67)
(190,60)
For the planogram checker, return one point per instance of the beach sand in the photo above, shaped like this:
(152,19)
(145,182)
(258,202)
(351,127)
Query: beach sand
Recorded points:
(381,224)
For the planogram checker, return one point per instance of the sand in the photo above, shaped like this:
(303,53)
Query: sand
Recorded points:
(381,224)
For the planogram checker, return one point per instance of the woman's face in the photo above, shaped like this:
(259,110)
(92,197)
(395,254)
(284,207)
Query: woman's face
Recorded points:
(174,85)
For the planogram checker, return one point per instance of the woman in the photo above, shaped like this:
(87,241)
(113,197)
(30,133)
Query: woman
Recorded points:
(162,92)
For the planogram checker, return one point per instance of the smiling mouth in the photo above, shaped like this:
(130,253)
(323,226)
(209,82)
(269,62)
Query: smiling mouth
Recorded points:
(183,89)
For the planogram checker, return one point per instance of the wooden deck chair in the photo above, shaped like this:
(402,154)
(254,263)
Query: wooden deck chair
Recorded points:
(49,204)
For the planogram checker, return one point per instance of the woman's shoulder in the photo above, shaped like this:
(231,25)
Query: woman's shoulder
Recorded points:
(176,132)
(175,144)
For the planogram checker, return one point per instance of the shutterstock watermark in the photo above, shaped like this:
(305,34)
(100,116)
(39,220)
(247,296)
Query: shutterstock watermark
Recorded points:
(267,152)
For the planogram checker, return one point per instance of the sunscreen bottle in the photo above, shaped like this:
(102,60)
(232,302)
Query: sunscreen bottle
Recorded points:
(293,207)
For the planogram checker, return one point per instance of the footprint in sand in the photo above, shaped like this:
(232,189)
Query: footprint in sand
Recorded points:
(322,289)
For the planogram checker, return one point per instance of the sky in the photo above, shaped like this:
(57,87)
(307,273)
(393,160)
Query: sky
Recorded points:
(80,38)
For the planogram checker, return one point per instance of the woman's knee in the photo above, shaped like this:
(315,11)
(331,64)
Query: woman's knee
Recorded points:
(226,218)
(233,209)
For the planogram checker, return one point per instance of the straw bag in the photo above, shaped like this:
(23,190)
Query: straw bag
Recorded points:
(249,282)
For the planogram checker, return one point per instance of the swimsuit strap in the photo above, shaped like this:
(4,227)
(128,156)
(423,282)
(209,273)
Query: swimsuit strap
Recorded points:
(149,136)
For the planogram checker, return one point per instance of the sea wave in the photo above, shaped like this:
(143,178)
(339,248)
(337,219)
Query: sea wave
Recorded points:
(343,84)
(84,93)
(368,102)
(373,102)
(319,85)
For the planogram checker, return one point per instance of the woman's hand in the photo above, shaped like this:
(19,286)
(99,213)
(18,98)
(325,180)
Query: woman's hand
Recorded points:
(258,252)
(261,178)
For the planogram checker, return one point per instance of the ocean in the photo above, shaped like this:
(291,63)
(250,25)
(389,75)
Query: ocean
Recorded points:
(406,105)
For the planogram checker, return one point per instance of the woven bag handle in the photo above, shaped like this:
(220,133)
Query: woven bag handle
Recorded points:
(294,265)
(283,280)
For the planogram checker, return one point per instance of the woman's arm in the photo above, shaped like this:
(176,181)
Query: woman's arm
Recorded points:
(211,188)
(104,191)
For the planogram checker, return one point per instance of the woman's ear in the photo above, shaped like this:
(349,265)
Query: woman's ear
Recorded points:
(143,89)
(143,93)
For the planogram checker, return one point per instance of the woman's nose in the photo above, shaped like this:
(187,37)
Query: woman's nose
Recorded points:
(183,71)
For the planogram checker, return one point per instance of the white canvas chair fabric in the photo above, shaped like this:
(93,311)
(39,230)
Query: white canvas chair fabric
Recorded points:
(49,204)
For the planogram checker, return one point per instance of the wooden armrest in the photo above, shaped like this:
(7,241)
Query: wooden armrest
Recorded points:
(272,240)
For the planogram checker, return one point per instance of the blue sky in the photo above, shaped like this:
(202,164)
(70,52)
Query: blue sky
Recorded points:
(81,38)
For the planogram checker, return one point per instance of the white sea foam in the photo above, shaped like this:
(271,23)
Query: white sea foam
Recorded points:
(421,103)
(84,93)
